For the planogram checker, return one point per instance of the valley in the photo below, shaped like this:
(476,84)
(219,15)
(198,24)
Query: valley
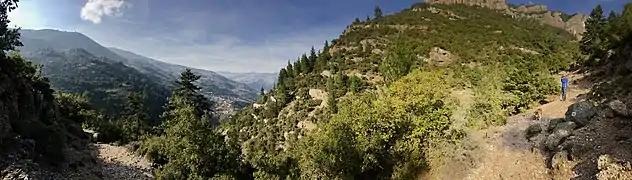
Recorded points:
(443,89)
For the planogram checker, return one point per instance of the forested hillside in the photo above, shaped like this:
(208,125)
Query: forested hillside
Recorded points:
(105,82)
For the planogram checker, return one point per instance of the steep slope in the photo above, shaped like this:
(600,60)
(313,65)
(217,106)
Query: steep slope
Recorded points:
(379,97)
(219,88)
(106,82)
(254,80)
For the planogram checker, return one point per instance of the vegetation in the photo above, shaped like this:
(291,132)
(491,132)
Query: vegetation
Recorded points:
(386,105)
(608,33)
(371,105)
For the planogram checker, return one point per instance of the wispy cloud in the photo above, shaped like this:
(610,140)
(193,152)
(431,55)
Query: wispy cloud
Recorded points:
(95,10)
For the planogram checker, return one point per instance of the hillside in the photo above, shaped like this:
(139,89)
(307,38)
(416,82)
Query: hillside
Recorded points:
(214,84)
(217,87)
(381,98)
(107,83)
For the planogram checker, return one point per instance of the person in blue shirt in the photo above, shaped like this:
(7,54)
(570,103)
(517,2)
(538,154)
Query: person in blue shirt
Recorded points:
(564,87)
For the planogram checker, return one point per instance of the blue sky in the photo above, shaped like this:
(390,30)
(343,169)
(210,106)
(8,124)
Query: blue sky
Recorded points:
(222,35)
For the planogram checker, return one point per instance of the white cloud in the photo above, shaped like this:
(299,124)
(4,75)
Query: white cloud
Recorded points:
(94,10)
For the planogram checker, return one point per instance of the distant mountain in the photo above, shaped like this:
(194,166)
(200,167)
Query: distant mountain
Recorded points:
(212,82)
(217,87)
(106,82)
(254,80)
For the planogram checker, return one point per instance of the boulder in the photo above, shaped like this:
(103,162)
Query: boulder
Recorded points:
(581,113)
(561,131)
(554,123)
(552,141)
(533,130)
(559,159)
(564,129)
(618,107)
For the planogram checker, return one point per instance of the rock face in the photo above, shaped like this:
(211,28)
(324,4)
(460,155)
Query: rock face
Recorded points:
(553,19)
(440,57)
(576,24)
(493,4)
(531,9)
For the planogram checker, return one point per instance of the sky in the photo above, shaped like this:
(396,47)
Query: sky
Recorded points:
(223,35)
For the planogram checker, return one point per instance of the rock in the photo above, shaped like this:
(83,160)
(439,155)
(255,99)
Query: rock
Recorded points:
(440,57)
(606,112)
(552,142)
(576,25)
(533,130)
(326,73)
(581,113)
(256,106)
(618,107)
(377,51)
(553,19)
(531,9)
(559,159)
(561,131)
(554,123)
(564,129)
(610,168)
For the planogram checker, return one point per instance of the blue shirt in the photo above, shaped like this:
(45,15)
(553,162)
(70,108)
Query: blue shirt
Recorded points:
(564,83)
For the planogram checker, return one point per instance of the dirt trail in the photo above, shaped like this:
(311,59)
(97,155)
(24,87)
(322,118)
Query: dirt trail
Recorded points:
(503,151)
(118,163)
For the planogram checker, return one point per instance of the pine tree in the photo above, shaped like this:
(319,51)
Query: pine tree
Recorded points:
(136,117)
(368,19)
(290,69)
(312,59)
(356,21)
(282,76)
(305,65)
(187,93)
(377,12)
(594,29)
(262,95)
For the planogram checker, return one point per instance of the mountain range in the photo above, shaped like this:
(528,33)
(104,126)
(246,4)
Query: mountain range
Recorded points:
(54,49)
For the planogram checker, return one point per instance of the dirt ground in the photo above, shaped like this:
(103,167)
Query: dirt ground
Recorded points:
(118,163)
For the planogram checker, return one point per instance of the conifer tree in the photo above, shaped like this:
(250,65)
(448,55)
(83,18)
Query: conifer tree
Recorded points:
(305,66)
(136,117)
(377,12)
(592,38)
(290,69)
(356,21)
(188,93)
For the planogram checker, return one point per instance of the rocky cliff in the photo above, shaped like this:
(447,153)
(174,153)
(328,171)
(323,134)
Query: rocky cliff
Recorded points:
(493,4)
(574,25)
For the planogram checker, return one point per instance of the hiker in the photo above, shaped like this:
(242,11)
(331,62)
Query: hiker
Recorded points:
(564,87)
